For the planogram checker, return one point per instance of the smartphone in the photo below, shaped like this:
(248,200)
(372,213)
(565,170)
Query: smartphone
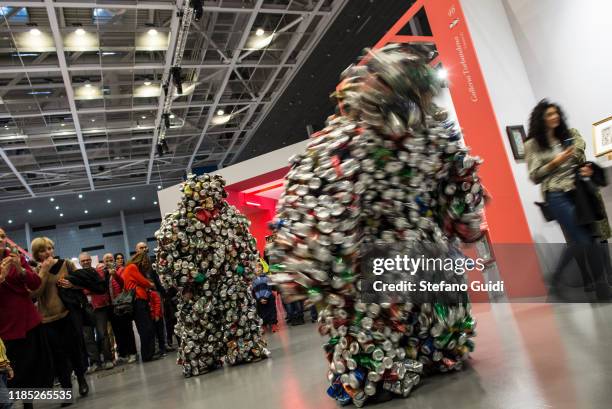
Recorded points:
(568,142)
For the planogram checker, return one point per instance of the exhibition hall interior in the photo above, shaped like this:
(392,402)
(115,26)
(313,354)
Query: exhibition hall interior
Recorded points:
(305,204)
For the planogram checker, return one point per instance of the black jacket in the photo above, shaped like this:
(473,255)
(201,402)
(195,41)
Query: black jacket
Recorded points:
(589,206)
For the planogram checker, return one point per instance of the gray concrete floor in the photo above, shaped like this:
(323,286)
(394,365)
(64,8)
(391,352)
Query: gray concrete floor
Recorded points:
(528,356)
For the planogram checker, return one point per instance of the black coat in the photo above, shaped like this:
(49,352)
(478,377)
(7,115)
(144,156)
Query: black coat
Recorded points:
(589,206)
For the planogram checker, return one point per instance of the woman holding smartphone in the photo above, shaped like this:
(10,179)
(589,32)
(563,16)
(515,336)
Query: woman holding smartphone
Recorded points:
(554,155)
(20,323)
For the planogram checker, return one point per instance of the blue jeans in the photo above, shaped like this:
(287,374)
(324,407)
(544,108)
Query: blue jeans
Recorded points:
(4,401)
(581,243)
(563,208)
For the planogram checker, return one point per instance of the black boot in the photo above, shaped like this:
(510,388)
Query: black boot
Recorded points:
(83,387)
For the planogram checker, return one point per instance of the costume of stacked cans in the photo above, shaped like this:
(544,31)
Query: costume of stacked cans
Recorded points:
(206,251)
(389,168)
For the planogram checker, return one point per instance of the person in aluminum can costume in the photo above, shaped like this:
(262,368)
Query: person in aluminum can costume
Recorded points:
(389,171)
(206,251)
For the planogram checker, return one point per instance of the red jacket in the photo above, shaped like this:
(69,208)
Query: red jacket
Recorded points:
(155,305)
(133,279)
(18,314)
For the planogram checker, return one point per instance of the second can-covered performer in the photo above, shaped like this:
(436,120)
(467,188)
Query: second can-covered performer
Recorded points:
(206,251)
(389,170)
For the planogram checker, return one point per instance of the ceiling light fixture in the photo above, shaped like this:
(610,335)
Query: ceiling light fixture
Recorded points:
(159,186)
(80,196)
(29,210)
(144,117)
(35,32)
(172,116)
(260,32)
(220,112)
(152,32)
(56,207)
(133,198)
(86,211)
(52,199)
(87,85)
(79,32)
(93,120)
(155,202)
(62,124)
(10,221)
(61,214)
(147,83)
(108,200)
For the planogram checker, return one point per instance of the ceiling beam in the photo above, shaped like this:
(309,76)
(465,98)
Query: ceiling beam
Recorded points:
(322,28)
(175,25)
(135,108)
(143,5)
(16,172)
(129,67)
(59,45)
(211,112)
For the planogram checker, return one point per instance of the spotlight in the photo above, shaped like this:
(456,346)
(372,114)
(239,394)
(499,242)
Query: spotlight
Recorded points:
(159,187)
(56,207)
(29,210)
(220,112)
(62,124)
(52,199)
(87,85)
(80,196)
(260,32)
(79,32)
(86,211)
(155,202)
(143,117)
(147,83)
(176,77)
(108,200)
(61,214)
(133,197)
(10,221)
(35,32)
(172,116)
(152,32)
(442,74)
(198,9)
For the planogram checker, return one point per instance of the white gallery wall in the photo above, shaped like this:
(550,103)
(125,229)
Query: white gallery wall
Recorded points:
(566,46)
(512,98)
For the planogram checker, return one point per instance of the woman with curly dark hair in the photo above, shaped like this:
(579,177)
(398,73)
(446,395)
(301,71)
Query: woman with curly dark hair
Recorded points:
(555,153)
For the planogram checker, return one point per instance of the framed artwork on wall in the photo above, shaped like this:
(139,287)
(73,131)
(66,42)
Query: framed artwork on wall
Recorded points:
(602,137)
(517,137)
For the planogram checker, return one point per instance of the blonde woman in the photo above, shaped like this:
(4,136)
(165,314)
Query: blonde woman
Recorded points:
(64,338)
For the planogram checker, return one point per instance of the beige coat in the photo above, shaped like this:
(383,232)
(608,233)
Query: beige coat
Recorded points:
(50,304)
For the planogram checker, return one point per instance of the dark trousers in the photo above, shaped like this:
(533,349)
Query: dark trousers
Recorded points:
(31,360)
(65,350)
(144,325)
(102,333)
(124,335)
(4,402)
(169,318)
(91,346)
(582,245)
(160,335)
(295,311)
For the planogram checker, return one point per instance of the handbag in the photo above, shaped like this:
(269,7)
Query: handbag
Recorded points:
(123,305)
(546,211)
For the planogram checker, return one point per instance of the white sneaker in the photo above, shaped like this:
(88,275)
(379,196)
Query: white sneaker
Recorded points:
(131,359)
(108,365)
(93,368)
